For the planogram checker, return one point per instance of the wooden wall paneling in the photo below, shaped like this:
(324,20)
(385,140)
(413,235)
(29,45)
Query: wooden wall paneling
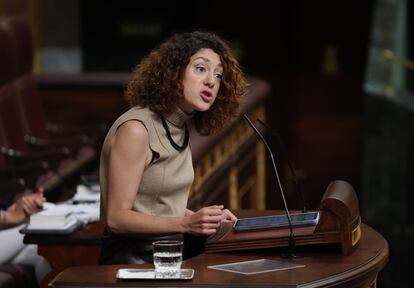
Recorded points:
(319,120)
(80,105)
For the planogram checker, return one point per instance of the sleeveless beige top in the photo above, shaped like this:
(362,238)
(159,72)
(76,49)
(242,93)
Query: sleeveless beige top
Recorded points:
(166,182)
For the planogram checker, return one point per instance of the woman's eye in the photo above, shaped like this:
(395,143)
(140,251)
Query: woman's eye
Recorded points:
(200,68)
(219,76)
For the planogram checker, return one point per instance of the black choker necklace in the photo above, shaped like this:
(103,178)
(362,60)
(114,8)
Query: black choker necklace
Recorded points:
(175,145)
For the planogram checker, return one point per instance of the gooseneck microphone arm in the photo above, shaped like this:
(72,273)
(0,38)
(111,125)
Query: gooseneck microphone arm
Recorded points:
(295,179)
(291,236)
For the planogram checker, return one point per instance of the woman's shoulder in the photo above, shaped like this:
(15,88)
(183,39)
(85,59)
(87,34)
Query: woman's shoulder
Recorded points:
(132,129)
(136,122)
(139,113)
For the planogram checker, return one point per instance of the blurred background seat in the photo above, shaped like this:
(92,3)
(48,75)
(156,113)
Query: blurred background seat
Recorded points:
(19,30)
(41,152)
(15,158)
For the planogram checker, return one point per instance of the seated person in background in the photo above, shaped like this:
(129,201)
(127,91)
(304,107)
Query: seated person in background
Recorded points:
(13,251)
(24,206)
(146,169)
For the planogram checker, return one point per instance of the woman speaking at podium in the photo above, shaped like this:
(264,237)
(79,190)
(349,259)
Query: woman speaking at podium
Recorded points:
(146,168)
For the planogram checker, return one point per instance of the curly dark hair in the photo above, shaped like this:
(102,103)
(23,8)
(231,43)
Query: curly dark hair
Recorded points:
(157,80)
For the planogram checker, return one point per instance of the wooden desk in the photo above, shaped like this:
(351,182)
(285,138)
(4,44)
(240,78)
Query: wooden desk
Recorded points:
(323,269)
(62,251)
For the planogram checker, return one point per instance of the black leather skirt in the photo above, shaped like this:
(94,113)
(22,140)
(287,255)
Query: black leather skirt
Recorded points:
(123,249)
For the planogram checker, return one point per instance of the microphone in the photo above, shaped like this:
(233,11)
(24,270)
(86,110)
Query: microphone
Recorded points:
(292,248)
(284,151)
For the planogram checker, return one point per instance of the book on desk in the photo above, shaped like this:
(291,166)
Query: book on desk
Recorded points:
(51,217)
(61,218)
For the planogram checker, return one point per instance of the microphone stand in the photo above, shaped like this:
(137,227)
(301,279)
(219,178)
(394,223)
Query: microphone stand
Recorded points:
(295,179)
(292,245)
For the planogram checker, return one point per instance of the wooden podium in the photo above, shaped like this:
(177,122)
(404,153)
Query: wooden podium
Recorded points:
(340,222)
(322,269)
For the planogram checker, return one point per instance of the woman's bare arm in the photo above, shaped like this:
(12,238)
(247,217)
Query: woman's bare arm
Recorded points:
(130,154)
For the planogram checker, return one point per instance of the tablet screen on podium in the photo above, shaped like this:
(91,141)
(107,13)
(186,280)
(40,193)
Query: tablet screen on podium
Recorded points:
(276,221)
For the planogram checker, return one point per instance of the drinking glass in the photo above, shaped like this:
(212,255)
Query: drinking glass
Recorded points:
(168,256)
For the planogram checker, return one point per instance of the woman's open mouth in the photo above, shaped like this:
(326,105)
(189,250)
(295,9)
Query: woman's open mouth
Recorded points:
(206,96)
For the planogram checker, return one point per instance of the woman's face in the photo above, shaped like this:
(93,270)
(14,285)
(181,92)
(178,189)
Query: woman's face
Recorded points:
(201,81)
